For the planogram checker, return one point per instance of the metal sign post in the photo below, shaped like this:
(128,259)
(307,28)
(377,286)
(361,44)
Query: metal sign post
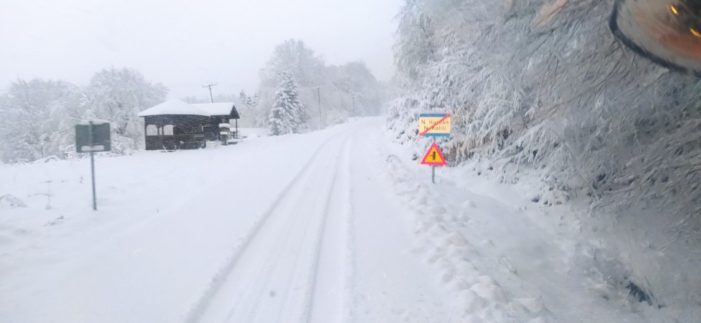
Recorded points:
(92,166)
(433,167)
(92,138)
(434,158)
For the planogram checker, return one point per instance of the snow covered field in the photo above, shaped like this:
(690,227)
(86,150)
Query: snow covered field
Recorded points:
(332,226)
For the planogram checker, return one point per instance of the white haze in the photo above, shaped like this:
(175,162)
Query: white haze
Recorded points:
(183,44)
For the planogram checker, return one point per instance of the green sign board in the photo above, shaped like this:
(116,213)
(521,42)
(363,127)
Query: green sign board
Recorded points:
(93,137)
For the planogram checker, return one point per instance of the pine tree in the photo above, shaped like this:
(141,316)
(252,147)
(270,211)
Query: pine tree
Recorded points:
(243,98)
(252,101)
(288,114)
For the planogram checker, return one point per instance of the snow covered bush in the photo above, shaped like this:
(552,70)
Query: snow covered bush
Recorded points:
(544,86)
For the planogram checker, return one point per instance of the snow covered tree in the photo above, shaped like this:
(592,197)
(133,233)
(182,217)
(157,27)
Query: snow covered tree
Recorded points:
(38,119)
(288,114)
(344,91)
(252,101)
(118,95)
(243,98)
(39,116)
(358,91)
(295,58)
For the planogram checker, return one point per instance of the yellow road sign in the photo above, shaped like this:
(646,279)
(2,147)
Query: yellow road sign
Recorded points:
(434,157)
(435,125)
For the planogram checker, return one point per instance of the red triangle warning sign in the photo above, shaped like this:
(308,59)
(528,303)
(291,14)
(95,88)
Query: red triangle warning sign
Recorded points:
(434,157)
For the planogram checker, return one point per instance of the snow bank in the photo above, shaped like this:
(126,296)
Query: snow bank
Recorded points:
(509,257)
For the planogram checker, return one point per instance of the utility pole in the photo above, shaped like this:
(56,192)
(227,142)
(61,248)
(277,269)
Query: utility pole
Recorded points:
(210,86)
(354,112)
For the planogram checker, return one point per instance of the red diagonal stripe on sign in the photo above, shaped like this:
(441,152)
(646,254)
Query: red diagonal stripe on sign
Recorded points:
(435,125)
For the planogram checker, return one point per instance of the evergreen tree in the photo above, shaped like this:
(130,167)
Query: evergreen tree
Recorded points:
(287,115)
(243,98)
(252,101)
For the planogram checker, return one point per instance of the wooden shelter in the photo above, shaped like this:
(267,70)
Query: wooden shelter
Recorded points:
(176,125)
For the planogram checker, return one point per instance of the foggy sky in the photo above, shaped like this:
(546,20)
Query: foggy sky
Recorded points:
(184,44)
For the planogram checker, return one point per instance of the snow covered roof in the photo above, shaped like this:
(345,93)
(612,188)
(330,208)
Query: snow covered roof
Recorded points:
(215,109)
(94,122)
(177,107)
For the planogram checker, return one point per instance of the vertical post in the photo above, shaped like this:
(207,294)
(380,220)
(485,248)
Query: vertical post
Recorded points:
(92,166)
(318,96)
(354,112)
(433,168)
(94,192)
(210,86)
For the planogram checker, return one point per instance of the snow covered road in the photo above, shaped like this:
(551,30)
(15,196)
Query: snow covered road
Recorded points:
(292,229)
(333,226)
(272,276)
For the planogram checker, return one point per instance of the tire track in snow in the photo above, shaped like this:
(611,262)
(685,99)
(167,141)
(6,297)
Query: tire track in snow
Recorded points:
(309,272)
(201,306)
(312,284)
(289,279)
(350,257)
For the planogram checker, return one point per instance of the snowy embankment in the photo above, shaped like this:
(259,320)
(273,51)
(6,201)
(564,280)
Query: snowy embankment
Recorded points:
(510,255)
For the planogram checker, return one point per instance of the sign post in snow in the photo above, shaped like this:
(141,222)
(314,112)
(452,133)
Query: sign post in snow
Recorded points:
(435,125)
(434,158)
(93,137)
